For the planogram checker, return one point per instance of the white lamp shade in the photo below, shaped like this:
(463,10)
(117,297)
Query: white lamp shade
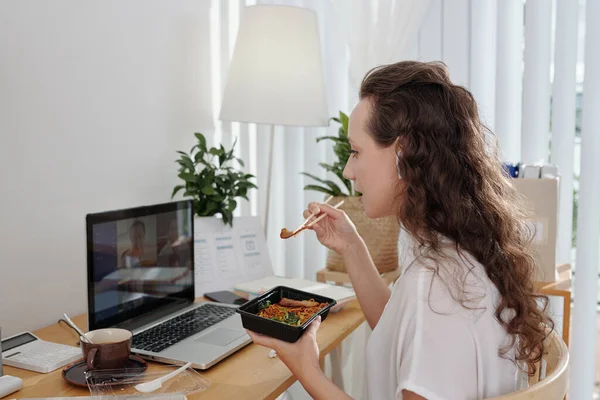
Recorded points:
(276,73)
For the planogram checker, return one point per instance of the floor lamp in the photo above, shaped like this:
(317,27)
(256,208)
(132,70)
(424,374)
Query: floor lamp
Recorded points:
(276,74)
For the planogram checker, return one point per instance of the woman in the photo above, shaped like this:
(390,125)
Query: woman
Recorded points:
(463,318)
(134,256)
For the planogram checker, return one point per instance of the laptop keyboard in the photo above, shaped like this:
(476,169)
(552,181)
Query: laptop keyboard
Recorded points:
(176,329)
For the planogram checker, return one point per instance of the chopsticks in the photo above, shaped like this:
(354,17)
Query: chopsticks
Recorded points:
(285,234)
(324,215)
(312,215)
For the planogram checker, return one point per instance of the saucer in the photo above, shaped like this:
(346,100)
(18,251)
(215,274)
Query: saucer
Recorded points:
(75,373)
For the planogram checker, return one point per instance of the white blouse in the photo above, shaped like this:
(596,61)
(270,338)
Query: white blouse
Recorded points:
(427,343)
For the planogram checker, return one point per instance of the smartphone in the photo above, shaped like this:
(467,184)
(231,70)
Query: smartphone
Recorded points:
(225,296)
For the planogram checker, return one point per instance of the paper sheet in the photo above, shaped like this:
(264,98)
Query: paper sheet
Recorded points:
(225,256)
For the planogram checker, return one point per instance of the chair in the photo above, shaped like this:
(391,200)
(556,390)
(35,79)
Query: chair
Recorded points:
(552,377)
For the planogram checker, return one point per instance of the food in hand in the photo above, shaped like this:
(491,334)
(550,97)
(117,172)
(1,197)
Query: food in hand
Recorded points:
(285,234)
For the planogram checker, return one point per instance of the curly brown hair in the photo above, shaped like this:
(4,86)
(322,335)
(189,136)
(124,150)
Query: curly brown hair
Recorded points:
(454,185)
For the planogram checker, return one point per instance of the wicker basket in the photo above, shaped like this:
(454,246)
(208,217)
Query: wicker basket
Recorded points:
(380,235)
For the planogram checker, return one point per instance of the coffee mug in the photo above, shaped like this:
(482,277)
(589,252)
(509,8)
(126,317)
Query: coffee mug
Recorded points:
(109,348)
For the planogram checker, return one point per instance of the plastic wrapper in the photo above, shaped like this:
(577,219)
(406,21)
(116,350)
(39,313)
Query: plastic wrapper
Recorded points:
(108,384)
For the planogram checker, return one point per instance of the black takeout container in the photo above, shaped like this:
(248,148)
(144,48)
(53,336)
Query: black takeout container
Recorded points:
(279,330)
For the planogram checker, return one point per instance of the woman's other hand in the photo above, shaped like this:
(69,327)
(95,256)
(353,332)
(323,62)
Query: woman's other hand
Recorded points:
(300,357)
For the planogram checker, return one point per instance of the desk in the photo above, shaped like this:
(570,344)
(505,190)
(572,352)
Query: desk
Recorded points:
(246,374)
(560,288)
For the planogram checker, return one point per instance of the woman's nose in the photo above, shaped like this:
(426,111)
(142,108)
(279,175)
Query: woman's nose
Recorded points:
(348,174)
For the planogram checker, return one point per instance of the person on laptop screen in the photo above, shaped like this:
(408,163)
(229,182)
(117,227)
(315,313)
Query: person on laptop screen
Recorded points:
(138,255)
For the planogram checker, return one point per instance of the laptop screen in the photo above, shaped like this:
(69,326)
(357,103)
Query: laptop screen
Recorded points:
(139,261)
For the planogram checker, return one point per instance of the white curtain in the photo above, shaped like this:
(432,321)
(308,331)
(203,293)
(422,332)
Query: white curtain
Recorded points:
(378,32)
(295,149)
(391,25)
(387,28)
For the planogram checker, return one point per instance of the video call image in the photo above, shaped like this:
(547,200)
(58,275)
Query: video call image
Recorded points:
(140,259)
(153,241)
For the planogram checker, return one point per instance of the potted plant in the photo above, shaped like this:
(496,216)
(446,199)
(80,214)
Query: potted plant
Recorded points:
(211,181)
(380,235)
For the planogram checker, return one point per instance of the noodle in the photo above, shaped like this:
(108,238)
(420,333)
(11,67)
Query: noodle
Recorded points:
(294,315)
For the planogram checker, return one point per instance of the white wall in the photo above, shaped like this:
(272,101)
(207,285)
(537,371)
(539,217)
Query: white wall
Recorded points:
(95,97)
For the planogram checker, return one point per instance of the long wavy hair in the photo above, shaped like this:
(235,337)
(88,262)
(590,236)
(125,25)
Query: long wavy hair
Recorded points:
(454,185)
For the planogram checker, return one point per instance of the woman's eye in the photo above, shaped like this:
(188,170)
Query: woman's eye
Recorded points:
(353,153)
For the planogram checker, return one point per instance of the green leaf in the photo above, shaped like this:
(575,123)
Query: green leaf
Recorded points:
(177,189)
(334,138)
(206,208)
(222,156)
(232,205)
(228,155)
(199,158)
(332,185)
(212,208)
(217,198)
(342,151)
(344,122)
(319,189)
(339,172)
(227,217)
(201,141)
(246,184)
(215,151)
(188,177)
(328,167)
(240,161)
(208,190)
(186,162)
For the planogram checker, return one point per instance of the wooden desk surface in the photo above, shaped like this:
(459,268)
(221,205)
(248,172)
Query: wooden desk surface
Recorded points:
(246,374)
(561,288)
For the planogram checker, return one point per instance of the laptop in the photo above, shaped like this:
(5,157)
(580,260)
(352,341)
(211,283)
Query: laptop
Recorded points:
(140,274)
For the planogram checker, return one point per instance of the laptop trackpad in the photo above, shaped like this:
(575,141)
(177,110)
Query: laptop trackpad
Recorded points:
(220,337)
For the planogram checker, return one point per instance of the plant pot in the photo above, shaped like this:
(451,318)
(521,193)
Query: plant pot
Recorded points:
(380,236)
